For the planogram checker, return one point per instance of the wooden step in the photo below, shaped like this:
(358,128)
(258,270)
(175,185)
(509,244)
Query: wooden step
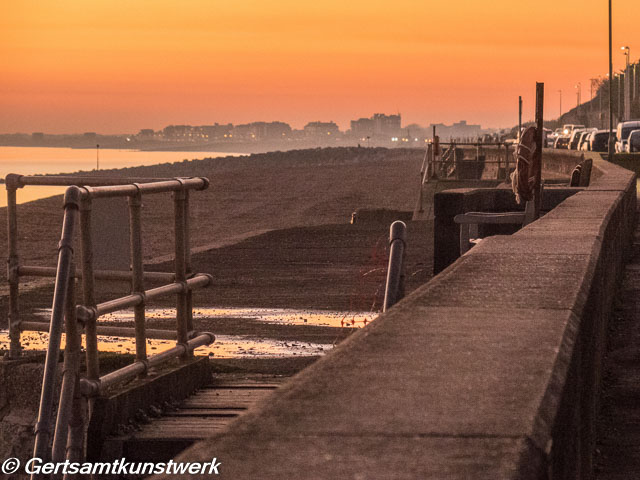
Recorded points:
(202,415)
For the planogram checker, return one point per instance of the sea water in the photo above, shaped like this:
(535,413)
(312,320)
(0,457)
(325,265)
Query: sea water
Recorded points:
(43,160)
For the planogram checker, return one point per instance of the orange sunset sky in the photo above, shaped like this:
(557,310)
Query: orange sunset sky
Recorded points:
(116,66)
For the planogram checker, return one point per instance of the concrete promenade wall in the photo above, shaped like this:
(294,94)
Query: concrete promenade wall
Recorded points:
(489,371)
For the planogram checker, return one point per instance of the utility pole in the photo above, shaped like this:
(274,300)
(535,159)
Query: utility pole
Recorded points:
(97,156)
(610,150)
(538,152)
(560,92)
(620,104)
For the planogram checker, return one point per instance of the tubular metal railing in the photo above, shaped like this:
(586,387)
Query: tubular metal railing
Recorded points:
(75,404)
(440,159)
(394,290)
(15,271)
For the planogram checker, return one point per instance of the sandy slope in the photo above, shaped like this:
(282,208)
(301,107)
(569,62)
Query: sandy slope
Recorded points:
(247,196)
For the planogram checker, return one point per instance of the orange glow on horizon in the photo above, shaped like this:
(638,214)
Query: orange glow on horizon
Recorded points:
(116,66)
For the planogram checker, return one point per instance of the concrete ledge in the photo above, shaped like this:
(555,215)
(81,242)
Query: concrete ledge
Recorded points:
(489,371)
(448,204)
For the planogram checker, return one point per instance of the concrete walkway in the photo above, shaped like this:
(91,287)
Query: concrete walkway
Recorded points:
(618,447)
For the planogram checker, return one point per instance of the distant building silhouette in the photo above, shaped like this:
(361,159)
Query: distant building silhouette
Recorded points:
(258,131)
(380,127)
(321,130)
(386,125)
(362,128)
(460,130)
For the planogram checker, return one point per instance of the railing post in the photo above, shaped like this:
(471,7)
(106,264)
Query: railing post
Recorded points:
(65,260)
(75,439)
(88,289)
(71,371)
(180,265)
(137,272)
(187,258)
(13,278)
(395,272)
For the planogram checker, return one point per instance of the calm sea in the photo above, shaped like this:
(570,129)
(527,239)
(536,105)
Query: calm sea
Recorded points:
(35,160)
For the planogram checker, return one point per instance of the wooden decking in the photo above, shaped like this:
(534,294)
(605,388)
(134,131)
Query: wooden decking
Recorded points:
(201,415)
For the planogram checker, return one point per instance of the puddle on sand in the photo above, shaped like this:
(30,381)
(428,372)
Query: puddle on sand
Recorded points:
(225,346)
(281,316)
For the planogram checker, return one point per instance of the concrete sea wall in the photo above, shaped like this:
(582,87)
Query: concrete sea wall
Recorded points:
(489,371)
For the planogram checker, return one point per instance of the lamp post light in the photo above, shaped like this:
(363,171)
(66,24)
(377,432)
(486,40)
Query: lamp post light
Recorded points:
(626,51)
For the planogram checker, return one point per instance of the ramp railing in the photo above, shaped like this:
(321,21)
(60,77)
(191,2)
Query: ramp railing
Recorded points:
(498,156)
(16,270)
(77,393)
(394,290)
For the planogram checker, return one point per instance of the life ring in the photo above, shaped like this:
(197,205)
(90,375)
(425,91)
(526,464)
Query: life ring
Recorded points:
(523,179)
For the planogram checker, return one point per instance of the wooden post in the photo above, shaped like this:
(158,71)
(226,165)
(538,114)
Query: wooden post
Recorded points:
(506,163)
(538,153)
(519,116)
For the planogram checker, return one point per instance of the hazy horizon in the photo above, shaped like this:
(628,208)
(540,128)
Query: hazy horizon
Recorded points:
(117,67)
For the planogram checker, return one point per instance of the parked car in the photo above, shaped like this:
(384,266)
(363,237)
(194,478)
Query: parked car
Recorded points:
(561,142)
(574,139)
(622,134)
(599,141)
(568,128)
(582,142)
(633,142)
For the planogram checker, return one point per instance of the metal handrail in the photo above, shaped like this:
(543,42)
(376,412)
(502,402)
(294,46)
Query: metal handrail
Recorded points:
(65,259)
(69,431)
(102,184)
(32,271)
(394,290)
(93,388)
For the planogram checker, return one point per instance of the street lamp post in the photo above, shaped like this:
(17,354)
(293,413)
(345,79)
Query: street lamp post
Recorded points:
(560,92)
(578,88)
(626,92)
(610,149)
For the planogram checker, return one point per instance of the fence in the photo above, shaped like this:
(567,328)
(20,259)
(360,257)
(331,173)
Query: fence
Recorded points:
(69,433)
(465,160)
